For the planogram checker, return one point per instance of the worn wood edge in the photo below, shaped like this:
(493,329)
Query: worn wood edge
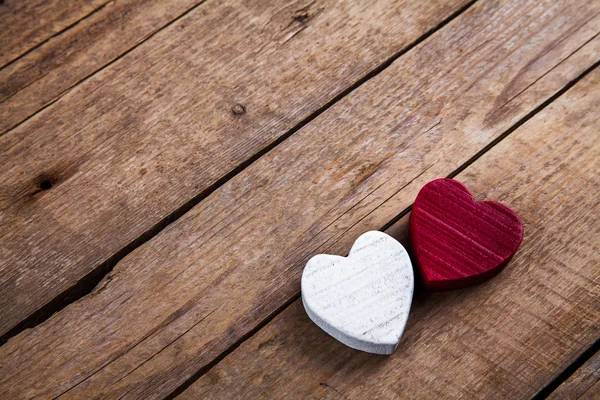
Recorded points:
(577,379)
(536,102)
(586,366)
(61,26)
(7,111)
(53,35)
(87,283)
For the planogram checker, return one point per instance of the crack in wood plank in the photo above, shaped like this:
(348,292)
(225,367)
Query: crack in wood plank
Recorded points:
(551,69)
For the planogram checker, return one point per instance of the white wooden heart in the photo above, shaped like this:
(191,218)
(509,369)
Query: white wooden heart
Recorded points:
(362,300)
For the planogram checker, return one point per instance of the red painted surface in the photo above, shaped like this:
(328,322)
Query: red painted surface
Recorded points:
(457,241)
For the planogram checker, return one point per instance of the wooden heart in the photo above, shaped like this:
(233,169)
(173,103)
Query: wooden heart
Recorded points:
(362,300)
(457,241)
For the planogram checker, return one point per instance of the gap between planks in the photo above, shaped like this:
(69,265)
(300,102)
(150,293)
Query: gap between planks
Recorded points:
(545,392)
(551,388)
(279,342)
(34,22)
(53,36)
(94,277)
(59,95)
(507,125)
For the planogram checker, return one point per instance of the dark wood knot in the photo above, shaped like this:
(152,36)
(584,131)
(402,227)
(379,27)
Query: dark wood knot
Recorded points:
(238,109)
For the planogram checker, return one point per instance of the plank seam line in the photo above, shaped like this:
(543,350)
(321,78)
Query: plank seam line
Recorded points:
(102,68)
(202,371)
(504,135)
(568,371)
(54,35)
(144,362)
(198,374)
(86,284)
(550,70)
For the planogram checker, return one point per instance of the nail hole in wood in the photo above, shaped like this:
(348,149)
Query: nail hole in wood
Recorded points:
(238,109)
(45,184)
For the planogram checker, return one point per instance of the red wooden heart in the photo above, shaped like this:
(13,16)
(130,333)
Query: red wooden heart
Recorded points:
(457,241)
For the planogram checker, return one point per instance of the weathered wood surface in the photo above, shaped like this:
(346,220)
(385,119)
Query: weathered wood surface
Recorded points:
(592,393)
(504,339)
(82,43)
(133,144)
(173,305)
(583,384)
(27,24)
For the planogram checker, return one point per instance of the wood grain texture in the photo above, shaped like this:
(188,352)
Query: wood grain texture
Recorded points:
(504,339)
(27,24)
(173,305)
(457,241)
(79,50)
(583,384)
(127,148)
(362,300)
(592,393)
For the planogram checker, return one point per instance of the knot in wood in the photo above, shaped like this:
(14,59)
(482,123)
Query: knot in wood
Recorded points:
(238,109)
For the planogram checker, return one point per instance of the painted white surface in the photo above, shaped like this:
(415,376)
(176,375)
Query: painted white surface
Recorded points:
(362,300)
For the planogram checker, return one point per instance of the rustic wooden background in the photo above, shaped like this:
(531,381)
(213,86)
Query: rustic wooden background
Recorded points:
(169,166)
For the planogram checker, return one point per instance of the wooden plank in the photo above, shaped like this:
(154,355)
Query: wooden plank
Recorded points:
(128,148)
(592,393)
(27,24)
(583,384)
(504,339)
(173,305)
(80,45)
